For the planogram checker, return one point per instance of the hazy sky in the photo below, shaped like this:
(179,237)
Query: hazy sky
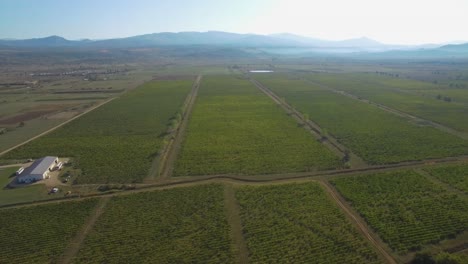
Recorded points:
(388,21)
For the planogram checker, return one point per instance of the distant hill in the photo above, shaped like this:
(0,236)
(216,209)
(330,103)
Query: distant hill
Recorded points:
(275,43)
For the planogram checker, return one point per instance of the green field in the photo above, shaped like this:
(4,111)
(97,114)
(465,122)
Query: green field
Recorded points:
(407,210)
(234,128)
(182,225)
(40,234)
(19,195)
(118,141)
(373,134)
(404,95)
(299,223)
(454,175)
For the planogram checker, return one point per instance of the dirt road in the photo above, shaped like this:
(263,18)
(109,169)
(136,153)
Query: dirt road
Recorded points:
(60,125)
(331,143)
(174,146)
(75,244)
(358,222)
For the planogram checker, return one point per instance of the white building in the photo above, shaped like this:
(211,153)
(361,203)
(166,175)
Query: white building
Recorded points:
(39,170)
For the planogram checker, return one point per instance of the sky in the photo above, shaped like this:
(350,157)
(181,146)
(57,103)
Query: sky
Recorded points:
(387,21)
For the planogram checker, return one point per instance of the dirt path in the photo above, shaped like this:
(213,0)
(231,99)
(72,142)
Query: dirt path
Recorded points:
(75,244)
(60,125)
(331,143)
(436,181)
(399,113)
(234,220)
(167,163)
(358,222)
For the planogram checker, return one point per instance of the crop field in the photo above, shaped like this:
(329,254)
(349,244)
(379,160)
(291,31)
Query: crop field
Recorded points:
(118,141)
(234,128)
(376,136)
(39,234)
(182,225)
(299,223)
(406,209)
(454,175)
(404,95)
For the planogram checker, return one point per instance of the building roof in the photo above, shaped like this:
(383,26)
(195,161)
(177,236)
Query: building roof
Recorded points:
(39,166)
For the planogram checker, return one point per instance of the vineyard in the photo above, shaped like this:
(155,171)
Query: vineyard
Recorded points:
(182,225)
(298,223)
(234,128)
(405,95)
(39,234)
(455,175)
(118,141)
(406,209)
(373,134)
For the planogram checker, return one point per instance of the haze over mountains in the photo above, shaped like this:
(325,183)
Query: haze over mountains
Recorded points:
(275,43)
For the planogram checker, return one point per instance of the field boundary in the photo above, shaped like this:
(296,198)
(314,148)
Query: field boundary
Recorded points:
(75,244)
(270,178)
(168,160)
(396,112)
(58,126)
(234,220)
(358,222)
(159,164)
(331,142)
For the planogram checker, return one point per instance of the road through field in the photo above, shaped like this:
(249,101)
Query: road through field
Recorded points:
(393,111)
(359,222)
(168,160)
(75,244)
(331,143)
(60,125)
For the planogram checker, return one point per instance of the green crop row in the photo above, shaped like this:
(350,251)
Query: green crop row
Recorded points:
(40,234)
(405,209)
(182,225)
(235,128)
(118,141)
(454,175)
(299,223)
(373,134)
(400,94)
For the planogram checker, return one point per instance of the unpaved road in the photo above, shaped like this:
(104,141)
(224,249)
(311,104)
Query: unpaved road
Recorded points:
(315,129)
(75,244)
(397,112)
(359,223)
(62,124)
(174,147)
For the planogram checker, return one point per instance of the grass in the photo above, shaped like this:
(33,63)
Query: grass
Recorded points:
(374,135)
(235,128)
(407,210)
(117,142)
(299,223)
(182,225)
(19,195)
(39,234)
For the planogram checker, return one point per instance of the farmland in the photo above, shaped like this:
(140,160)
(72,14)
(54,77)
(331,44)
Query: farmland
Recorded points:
(405,95)
(172,226)
(118,141)
(373,134)
(407,210)
(44,231)
(235,128)
(298,223)
(454,175)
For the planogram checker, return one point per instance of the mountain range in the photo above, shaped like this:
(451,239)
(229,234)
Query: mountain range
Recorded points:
(218,38)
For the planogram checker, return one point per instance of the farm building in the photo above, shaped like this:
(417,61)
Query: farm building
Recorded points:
(39,170)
